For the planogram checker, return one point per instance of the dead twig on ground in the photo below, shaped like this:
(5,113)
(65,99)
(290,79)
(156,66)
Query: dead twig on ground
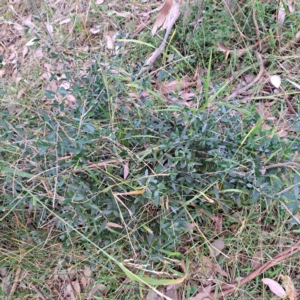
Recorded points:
(250,84)
(173,16)
(231,287)
(38,292)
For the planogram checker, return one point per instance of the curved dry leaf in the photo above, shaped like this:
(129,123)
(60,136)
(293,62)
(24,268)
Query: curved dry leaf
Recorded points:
(18,27)
(126,170)
(289,287)
(276,80)
(290,6)
(186,96)
(49,29)
(65,21)
(101,288)
(66,85)
(275,287)
(282,133)
(122,14)
(172,292)
(162,15)
(222,47)
(27,21)
(113,225)
(203,295)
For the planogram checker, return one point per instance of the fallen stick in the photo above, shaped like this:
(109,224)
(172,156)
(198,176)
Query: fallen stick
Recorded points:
(250,84)
(173,16)
(231,287)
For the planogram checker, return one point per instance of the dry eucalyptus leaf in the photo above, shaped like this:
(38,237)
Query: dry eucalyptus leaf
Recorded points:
(276,80)
(186,96)
(281,14)
(101,288)
(222,47)
(126,170)
(171,292)
(218,226)
(256,260)
(218,269)
(110,43)
(174,85)
(113,225)
(49,29)
(122,14)
(208,268)
(65,21)
(296,85)
(190,227)
(169,22)
(21,93)
(275,287)
(2,72)
(5,280)
(27,21)
(66,85)
(18,27)
(203,295)
(289,287)
(72,289)
(95,30)
(87,271)
(290,6)
(38,53)
(216,247)
(87,278)
(162,15)
(282,133)
(152,295)
(71,101)
(65,274)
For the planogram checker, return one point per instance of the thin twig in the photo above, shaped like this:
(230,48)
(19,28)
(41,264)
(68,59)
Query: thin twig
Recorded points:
(289,164)
(231,287)
(288,188)
(38,291)
(291,214)
(250,84)
(174,13)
